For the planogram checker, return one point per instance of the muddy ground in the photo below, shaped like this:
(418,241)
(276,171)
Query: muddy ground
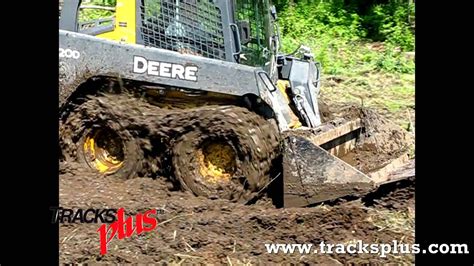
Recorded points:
(199,230)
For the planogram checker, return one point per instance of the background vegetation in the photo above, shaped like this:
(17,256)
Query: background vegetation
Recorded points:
(366,48)
(339,32)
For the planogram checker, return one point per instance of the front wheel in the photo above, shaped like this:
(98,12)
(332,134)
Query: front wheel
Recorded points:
(227,154)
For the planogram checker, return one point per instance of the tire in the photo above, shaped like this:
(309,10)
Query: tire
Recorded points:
(253,140)
(90,121)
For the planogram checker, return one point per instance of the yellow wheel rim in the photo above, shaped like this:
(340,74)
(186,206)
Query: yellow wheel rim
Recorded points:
(216,162)
(103,151)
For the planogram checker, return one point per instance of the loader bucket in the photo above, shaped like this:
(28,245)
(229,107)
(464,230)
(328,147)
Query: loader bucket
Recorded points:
(312,175)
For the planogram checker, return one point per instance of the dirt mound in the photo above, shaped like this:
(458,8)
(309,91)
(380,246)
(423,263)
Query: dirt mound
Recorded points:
(382,135)
(198,230)
(381,141)
(395,196)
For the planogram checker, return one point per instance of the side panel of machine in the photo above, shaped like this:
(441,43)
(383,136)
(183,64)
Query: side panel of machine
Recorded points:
(82,57)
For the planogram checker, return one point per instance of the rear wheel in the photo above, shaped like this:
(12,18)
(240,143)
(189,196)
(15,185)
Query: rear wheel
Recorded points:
(228,153)
(103,150)
(92,137)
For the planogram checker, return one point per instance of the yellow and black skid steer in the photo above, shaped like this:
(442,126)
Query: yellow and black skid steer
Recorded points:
(198,91)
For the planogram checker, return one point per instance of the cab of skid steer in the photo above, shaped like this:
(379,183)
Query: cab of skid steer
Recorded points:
(240,31)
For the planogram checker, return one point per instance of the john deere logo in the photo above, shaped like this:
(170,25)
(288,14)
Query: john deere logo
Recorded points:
(163,69)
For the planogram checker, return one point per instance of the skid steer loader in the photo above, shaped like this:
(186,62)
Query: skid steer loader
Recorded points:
(198,91)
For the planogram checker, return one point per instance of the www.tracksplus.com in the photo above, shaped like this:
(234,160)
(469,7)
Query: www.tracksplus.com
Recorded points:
(358,247)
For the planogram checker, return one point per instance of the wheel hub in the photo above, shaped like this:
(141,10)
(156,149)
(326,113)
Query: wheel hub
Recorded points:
(103,151)
(217,162)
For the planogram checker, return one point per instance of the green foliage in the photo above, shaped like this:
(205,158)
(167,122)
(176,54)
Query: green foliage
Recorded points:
(104,2)
(339,32)
(391,23)
(312,19)
(92,14)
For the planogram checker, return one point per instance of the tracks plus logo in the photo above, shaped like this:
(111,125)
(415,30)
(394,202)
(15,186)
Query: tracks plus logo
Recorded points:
(64,215)
(114,222)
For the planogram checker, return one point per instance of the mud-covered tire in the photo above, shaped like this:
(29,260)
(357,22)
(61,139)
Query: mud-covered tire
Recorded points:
(88,117)
(254,140)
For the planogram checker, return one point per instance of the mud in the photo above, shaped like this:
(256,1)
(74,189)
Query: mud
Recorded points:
(199,230)
(396,196)
(381,141)
(196,229)
(167,141)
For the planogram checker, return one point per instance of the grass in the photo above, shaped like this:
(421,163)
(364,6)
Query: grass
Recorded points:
(397,221)
(373,74)
(391,94)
